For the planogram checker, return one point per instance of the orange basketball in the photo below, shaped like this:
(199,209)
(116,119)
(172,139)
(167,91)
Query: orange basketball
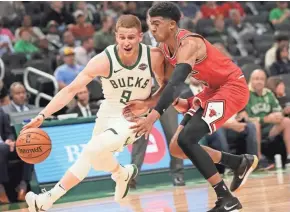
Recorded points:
(33,145)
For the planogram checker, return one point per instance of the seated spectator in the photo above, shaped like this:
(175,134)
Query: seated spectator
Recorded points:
(90,13)
(7,145)
(58,14)
(81,29)
(210,9)
(219,28)
(19,99)
(105,36)
(266,113)
(35,33)
(83,107)
(67,72)
(5,31)
(68,41)
(5,45)
(270,57)
(24,45)
(53,36)
(280,14)
(190,10)
(84,52)
(4,95)
(242,32)
(227,7)
(282,64)
(277,86)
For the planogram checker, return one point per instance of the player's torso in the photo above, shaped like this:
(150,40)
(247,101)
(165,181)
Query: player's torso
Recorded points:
(212,68)
(125,83)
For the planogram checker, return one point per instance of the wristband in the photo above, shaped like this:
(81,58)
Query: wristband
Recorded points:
(41,114)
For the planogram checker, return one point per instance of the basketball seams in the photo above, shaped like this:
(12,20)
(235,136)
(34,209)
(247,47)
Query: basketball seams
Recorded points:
(34,144)
(46,135)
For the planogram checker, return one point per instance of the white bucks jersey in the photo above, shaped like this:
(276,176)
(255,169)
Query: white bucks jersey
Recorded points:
(125,83)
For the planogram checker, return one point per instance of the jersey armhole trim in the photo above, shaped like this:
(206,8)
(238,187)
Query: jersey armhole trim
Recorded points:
(149,60)
(111,64)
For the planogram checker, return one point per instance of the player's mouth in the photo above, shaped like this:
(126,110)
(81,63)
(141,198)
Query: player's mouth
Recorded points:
(128,49)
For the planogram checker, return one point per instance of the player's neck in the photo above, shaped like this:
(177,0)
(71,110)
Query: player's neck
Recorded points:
(171,41)
(129,60)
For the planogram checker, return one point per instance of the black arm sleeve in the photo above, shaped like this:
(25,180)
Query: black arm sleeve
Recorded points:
(169,93)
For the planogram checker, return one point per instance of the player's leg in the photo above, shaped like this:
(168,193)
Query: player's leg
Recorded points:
(99,149)
(188,140)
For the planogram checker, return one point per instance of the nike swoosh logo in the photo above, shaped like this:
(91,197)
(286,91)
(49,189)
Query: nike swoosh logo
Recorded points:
(38,209)
(229,208)
(115,71)
(243,175)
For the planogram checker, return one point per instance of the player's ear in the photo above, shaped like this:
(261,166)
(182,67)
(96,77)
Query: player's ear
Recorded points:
(141,37)
(172,25)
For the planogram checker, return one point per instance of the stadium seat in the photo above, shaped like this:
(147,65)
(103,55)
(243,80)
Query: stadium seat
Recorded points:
(244,60)
(248,69)
(204,25)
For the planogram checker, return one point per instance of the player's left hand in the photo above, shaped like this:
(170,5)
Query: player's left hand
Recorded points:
(136,107)
(144,126)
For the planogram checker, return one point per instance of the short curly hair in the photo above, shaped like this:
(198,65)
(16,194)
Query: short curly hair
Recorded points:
(165,9)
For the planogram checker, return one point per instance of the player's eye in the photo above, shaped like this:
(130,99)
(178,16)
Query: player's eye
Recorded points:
(131,38)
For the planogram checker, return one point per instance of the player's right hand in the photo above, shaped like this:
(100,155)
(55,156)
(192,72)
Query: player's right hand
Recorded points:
(34,123)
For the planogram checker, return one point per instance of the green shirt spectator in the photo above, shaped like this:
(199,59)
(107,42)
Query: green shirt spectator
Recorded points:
(25,45)
(279,14)
(105,36)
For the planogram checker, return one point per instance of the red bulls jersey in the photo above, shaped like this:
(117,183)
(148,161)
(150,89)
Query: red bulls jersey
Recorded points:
(214,69)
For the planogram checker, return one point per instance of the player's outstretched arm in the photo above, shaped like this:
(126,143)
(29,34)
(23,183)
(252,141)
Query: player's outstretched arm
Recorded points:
(97,66)
(186,56)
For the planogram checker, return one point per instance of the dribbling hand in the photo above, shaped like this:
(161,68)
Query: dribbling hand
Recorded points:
(34,123)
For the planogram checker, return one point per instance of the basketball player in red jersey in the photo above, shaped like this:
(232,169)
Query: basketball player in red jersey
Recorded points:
(226,94)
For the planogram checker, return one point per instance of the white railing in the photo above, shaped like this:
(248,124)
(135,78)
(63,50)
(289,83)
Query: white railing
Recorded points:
(38,94)
(2,69)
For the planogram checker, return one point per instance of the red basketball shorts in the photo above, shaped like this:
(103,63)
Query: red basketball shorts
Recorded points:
(221,104)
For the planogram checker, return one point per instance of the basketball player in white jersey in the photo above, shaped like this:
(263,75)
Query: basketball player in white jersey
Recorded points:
(125,70)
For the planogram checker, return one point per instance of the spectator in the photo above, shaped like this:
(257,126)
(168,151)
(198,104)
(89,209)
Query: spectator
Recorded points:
(18,99)
(227,7)
(90,13)
(67,72)
(280,14)
(81,29)
(5,31)
(56,13)
(12,11)
(277,86)
(35,33)
(282,64)
(211,10)
(68,41)
(242,32)
(270,57)
(84,108)
(7,144)
(53,36)
(4,97)
(264,110)
(190,10)
(105,36)
(5,45)
(85,52)
(24,44)
(219,28)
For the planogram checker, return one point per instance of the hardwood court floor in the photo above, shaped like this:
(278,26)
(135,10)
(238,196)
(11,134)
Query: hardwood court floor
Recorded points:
(269,193)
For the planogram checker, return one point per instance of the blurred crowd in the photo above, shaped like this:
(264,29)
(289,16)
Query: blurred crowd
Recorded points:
(59,38)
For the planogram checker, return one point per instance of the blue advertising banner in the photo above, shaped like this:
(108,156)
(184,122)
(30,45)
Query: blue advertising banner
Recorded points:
(68,142)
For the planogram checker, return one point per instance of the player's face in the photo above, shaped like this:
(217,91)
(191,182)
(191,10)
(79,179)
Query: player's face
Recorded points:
(128,40)
(161,28)
(258,80)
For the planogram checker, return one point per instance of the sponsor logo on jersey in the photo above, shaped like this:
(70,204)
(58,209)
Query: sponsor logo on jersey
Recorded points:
(142,66)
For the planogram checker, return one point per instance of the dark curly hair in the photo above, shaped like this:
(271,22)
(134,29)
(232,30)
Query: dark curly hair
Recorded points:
(165,9)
